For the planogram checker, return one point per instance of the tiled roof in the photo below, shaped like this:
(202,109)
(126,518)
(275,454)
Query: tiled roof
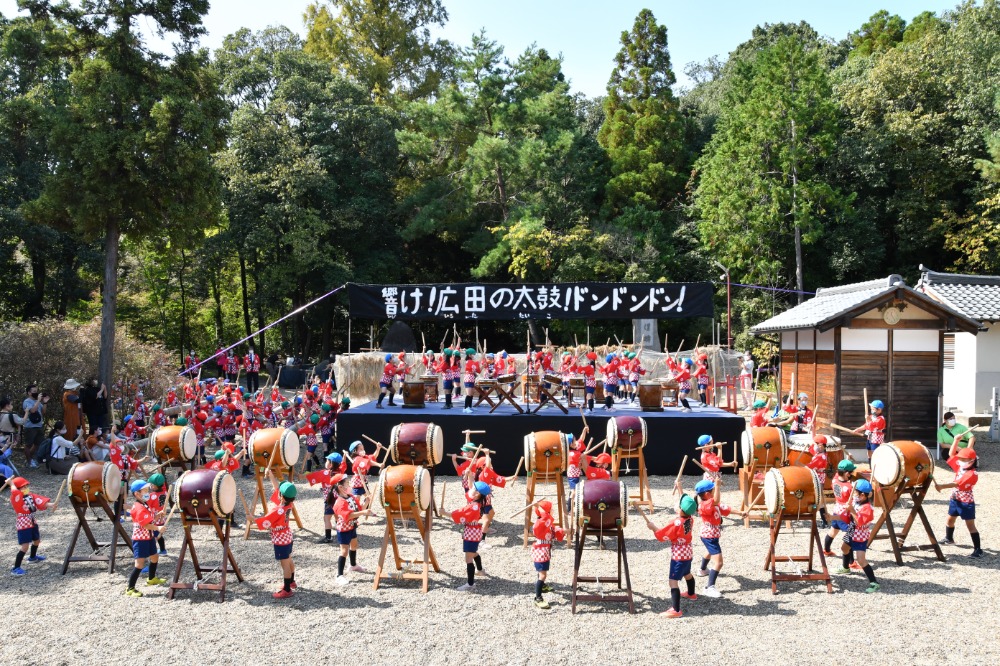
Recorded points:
(830,304)
(975,296)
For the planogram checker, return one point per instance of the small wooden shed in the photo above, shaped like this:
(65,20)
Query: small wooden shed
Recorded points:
(880,335)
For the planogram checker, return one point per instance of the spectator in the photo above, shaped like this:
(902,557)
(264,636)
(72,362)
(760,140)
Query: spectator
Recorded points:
(954,434)
(72,414)
(9,421)
(220,362)
(6,447)
(34,422)
(271,365)
(94,402)
(97,448)
(64,453)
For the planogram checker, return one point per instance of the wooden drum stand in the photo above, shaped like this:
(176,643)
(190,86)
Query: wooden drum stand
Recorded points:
(423,523)
(227,565)
(117,533)
(582,531)
(887,499)
(529,493)
(645,495)
(772,558)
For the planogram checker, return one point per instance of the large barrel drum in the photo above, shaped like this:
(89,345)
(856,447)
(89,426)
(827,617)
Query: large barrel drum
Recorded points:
(626,433)
(792,492)
(416,444)
(87,481)
(546,452)
(650,397)
(905,462)
(414,394)
(202,492)
(280,443)
(404,487)
(174,443)
(601,504)
(768,446)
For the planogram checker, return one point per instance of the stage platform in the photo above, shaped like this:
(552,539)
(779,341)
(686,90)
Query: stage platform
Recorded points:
(672,434)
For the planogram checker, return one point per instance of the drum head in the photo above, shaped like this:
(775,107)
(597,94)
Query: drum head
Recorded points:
(175,491)
(289,448)
(423,488)
(112,482)
(435,443)
(529,452)
(394,442)
(188,443)
(800,442)
(612,433)
(224,494)
(774,491)
(833,443)
(379,494)
(746,446)
(887,464)
(578,504)
(623,502)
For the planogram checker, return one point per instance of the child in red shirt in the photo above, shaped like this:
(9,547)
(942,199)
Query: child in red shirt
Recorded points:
(336,467)
(281,534)
(143,546)
(874,427)
(347,508)
(599,468)
(856,539)
(25,505)
(679,532)
(962,504)
(469,517)
(711,512)
(544,531)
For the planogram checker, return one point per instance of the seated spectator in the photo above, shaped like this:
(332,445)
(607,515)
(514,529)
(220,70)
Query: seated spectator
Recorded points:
(9,421)
(952,436)
(63,453)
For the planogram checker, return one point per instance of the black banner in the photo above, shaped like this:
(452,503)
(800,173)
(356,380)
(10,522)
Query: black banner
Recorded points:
(568,300)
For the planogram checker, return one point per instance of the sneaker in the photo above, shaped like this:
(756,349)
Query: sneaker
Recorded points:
(342,580)
(542,603)
(672,613)
(132,592)
(711,592)
(293,585)
(948,542)
(33,464)
(467,410)
(162,552)
(145,570)
(357,568)
(824,525)
(701,572)
(692,597)
(843,570)
(977,553)
(282,594)
(37,558)
(156,580)
(855,566)
(18,571)
(828,553)
(872,587)
(547,588)
(466,587)
(377,406)
(325,539)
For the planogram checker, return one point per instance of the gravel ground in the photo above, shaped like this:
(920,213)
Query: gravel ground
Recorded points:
(913,620)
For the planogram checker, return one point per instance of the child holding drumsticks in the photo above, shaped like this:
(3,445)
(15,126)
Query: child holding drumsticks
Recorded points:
(856,539)
(25,505)
(544,530)
(281,534)
(679,532)
(347,508)
(143,545)
(965,464)
(469,517)
(711,513)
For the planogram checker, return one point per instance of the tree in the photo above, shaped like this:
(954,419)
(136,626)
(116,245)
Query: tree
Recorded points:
(383,45)
(879,33)
(133,143)
(762,196)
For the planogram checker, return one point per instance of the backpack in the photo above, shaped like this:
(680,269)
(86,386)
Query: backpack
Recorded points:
(35,416)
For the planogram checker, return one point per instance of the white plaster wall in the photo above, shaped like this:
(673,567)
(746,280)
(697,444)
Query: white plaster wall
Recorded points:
(915,341)
(864,339)
(959,384)
(825,340)
(788,339)
(987,364)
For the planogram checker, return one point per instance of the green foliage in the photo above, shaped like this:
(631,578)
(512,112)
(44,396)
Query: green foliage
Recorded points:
(881,32)
(383,45)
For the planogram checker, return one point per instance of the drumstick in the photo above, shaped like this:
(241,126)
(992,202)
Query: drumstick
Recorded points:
(378,444)
(842,428)
(696,462)
(167,521)
(59,496)
(587,452)
(515,515)
(517,472)
(679,473)
(4,487)
(444,488)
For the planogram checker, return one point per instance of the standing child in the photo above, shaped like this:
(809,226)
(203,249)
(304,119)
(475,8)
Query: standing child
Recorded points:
(469,517)
(818,464)
(361,463)
(712,463)
(347,508)
(158,505)
(25,505)
(843,489)
(701,377)
(336,469)
(281,534)
(472,370)
(444,369)
(610,372)
(545,531)
(589,379)
(574,464)
(682,375)
(874,427)
(711,512)
(143,545)
(856,539)
(308,430)
(385,382)
(679,533)
(965,464)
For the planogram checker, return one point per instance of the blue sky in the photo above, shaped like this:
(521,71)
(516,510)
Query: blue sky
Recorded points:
(586,32)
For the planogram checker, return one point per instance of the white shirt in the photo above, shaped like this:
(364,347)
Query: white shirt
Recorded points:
(60,447)
(747,367)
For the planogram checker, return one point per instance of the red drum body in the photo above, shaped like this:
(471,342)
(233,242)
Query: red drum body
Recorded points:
(601,504)
(416,444)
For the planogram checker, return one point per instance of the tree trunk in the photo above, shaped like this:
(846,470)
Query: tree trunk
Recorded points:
(799,278)
(246,301)
(109,301)
(258,303)
(34,307)
(185,343)
(217,297)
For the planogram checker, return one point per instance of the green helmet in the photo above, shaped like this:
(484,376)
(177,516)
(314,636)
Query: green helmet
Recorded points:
(157,480)
(688,505)
(288,490)
(469,448)
(220,454)
(325,407)
(447,351)
(759,404)
(156,408)
(846,465)
(470,352)
(314,419)
(181,421)
(284,404)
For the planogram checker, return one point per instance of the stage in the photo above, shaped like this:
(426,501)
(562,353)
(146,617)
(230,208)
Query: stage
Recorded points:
(672,434)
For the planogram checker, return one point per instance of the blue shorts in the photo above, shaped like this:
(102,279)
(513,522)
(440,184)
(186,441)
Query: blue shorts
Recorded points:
(27,535)
(679,569)
(871,446)
(574,481)
(312,448)
(327,509)
(282,552)
(859,545)
(385,385)
(963,510)
(358,491)
(712,546)
(840,525)
(345,538)
(448,385)
(470,546)
(541,566)
(327,437)
(143,548)
(469,384)
(589,390)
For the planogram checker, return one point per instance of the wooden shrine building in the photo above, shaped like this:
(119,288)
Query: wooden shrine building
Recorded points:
(880,335)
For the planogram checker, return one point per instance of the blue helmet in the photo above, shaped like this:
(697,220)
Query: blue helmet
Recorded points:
(483,488)
(609,358)
(298,400)
(704,486)
(315,388)
(388,358)
(128,417)
(877,404)
(863,486)
(137,485)
(218,409)
(209,398)
(704,439)
(503,354)
(335,458)
(355,444)
(688,361)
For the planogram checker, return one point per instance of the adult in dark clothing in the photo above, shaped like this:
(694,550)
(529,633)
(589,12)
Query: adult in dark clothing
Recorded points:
(94,401)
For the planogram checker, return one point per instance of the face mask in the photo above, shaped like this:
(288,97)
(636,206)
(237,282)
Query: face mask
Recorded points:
(144,497)
(63,431)
(950,422)
(34,396)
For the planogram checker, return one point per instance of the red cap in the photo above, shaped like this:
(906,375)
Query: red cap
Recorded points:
(202,416)
(592,356)
(964,454)
(820,439)
(603,459)
(337,478)
(19,482)
(543,507)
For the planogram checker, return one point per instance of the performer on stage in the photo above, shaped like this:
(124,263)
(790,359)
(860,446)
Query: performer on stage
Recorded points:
(818,464)
(469,517)
(348,508)
(682,375)
(447,376)
(711,512)
(402,371)
(701,376)
(856,539)
(711,460)
(610,372)
(472,370)
(874,427)
(965,464)
(544,530)
(679,532)
(589,379)
(385,383)
(251,363)
(281,534)
(25,505)
(635,372)
(843,490)
(143,546)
